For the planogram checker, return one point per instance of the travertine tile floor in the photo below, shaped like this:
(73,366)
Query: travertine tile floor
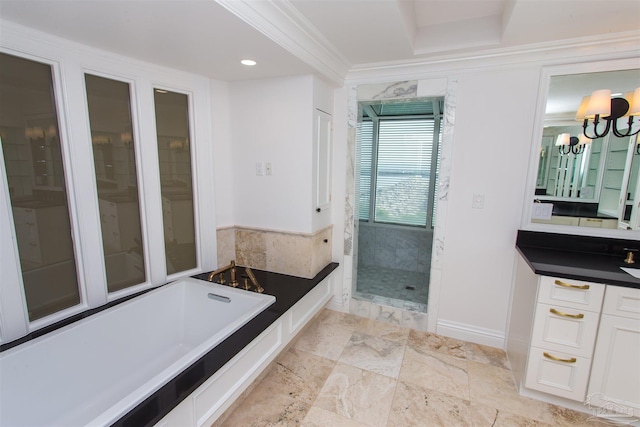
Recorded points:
(345,370)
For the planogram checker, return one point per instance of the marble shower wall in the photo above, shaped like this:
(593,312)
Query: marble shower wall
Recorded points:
(295,254)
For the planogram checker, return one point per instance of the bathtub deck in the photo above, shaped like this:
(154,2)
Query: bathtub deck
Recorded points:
(288,290)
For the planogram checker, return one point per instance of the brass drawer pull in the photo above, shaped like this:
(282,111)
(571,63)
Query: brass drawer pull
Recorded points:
(563,314)
(558,359)
(569,285)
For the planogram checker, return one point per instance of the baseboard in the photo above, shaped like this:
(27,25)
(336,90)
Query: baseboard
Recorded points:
(335,303)
(471,333)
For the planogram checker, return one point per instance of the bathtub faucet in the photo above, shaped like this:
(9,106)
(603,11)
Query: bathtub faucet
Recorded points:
(234,281)
(231,267)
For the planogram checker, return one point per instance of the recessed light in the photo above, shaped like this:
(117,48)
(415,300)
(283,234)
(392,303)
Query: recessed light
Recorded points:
(248,62)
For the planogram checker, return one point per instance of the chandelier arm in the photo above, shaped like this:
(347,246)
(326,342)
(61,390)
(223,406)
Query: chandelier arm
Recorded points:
(577,149)
(619,134)
(596,134)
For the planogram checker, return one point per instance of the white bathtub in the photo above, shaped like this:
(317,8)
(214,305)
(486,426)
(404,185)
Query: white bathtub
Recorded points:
(94,371)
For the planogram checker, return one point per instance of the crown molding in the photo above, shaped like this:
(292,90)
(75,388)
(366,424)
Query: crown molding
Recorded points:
(286,26)
(609,46)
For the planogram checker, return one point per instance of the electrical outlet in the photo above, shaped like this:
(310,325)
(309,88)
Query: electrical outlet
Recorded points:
(259,168)
(267,168)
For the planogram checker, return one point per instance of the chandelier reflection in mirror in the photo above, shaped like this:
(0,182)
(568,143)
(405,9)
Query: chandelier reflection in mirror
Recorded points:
(600,113)
(568,144)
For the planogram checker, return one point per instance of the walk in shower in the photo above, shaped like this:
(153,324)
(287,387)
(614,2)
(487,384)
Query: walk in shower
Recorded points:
(397,148)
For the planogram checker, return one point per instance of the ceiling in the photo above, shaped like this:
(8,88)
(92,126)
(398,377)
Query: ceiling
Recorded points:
(326,37)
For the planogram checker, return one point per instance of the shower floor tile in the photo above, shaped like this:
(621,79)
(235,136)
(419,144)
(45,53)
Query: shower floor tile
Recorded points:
(393,283)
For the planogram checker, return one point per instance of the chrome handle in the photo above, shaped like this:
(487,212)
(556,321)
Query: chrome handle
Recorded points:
(558,359)
(569,285)
(220,298)
(563,314)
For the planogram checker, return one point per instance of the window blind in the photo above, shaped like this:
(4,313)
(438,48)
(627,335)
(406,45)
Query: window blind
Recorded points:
(403,171)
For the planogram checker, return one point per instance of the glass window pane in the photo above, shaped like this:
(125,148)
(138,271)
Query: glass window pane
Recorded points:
(34,167)
(174,152)
(404,169)
(115,167)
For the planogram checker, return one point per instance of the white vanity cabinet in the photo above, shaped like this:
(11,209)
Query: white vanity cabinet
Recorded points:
(615,374)
(563,336)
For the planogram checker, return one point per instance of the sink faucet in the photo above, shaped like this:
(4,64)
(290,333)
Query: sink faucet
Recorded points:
(630,252)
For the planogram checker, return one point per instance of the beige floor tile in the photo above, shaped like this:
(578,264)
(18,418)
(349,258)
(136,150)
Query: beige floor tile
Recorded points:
(373,354)
(357,394)
(318,417)
(415,406)
(387,331)
(436,371)
(323,340)
(570,418)
(494,387)
(343,320)
(485,416)
(423,342)
(285,395)
(484,354)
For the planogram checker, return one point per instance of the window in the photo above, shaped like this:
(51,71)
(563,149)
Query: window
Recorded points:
(35,175)
(174,153)
(398,157)
(114,159)
(83,177)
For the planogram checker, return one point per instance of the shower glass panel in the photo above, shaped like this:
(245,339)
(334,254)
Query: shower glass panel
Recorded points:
(35,173)
(174,152)
(114,157)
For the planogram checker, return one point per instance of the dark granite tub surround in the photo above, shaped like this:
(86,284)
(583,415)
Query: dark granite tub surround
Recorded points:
(288,290)
(594,259)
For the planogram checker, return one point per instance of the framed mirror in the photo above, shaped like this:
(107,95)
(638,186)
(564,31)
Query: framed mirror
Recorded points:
(585,155)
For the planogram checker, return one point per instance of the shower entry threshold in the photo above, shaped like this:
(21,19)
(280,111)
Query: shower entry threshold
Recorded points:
(391,302)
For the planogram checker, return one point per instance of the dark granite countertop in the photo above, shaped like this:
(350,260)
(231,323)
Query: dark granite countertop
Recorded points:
(288,290)
(593,259)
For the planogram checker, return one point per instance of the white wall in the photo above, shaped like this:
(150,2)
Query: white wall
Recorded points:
(490,157)
(271,120)
(222,162)
(495,114)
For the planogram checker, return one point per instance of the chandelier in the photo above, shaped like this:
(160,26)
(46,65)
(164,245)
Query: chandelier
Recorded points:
(571,144)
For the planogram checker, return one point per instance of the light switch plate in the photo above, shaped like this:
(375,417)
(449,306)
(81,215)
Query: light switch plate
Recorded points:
(478,201)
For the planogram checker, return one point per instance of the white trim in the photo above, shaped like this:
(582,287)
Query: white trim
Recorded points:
(614,46)
(471,333)
(285,25)
(545,78)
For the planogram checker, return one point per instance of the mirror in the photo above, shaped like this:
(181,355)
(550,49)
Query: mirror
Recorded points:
(587,182)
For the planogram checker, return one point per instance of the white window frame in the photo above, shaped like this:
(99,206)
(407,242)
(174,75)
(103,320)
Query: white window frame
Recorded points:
(70,61)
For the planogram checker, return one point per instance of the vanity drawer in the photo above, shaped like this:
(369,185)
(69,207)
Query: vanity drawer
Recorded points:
(565,330)
(623,302)
(557,373)
(571,293)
